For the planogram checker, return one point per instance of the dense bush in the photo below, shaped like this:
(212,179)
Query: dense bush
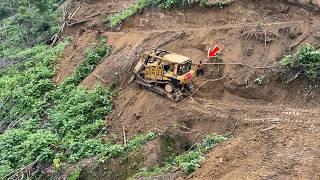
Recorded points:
(41,121)
(306,61)
(22,87)
(22,105)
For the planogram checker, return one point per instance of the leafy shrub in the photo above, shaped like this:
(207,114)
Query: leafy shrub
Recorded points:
(75,175)
(92,58)
(191,160)
(188,161)
(22,87)
(20,147)
(169,4)
(306,61)
(134,144)
(22,103)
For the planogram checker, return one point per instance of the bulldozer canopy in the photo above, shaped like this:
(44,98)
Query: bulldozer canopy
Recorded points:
(176,58)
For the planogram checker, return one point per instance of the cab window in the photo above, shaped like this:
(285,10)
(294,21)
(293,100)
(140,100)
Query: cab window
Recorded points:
(184,68)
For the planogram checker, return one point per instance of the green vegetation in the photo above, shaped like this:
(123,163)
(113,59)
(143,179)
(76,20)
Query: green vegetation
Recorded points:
(189,161)
(48,124)
(260,80)
(23,91)
(133,145)
(110,150)
(45,123)
(75,175)
(116,19)
(306,61)
(26,23)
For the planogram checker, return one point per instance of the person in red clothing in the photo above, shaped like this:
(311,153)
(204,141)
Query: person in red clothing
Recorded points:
(200,69)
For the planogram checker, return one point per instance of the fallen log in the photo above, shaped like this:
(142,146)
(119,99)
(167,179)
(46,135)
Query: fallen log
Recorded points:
(241,64)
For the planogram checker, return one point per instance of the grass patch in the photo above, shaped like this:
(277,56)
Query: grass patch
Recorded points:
(116,19)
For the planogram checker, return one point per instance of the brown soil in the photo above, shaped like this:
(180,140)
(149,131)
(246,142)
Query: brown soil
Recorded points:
(275,125)
(73,55)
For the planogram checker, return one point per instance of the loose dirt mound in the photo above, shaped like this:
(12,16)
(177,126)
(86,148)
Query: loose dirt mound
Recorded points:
(275,135)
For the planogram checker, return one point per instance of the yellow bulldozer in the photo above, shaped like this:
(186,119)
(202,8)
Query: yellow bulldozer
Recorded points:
(165,73)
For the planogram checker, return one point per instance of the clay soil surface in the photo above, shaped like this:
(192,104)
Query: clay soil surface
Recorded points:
(275,126)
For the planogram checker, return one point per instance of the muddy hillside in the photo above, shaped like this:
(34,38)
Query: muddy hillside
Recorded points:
(275,124)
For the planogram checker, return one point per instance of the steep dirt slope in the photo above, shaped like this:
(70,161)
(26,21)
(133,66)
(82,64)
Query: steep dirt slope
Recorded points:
(286,152)
(275,125)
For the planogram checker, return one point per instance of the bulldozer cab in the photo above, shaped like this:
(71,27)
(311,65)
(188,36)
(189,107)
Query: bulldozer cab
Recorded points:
(164,65)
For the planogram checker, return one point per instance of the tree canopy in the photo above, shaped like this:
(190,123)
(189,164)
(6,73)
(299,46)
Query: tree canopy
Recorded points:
(24,23)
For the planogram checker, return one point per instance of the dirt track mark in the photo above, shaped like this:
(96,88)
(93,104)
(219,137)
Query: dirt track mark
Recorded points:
(257,113)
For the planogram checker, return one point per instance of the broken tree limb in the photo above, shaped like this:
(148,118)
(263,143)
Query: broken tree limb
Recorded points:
(185,127)
(269,128)
(174,37)
(194,140)
(22,171)
(79,22)
(241,64)
(204,83)
(91,17)
(100,78)
(189,132)
(74,13)
(314,102)
(295,44)
(265,38)
(124,136)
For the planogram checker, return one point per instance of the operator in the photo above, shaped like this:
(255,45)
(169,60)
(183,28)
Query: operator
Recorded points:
(200,69)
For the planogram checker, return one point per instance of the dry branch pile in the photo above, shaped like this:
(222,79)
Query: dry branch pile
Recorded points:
(69,20)
(260,33)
